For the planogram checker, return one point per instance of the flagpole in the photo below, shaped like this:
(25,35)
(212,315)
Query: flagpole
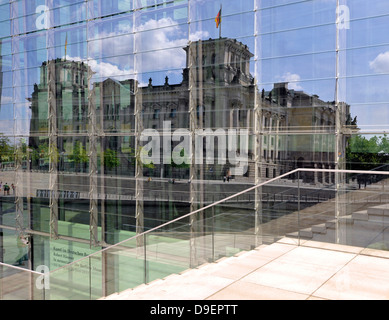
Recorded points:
(66,45)
(220,29)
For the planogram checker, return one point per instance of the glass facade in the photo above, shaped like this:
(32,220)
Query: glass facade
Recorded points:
(117,116)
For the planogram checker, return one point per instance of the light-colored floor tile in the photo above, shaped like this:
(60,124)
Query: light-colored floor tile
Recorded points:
(364,278)
(275,250)
(315,298)
(287,240)
(235,271)
(374,266)
(332,246)
(190,287)
(242,290)
(278,272)
(375,253)
(350,286)
(236,268)
(302,270)
(300,278)
(317,257)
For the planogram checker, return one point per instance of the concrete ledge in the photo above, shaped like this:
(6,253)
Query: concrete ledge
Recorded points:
(306,233)
(375,253)
(319,228)
(381,210)
(332,247)
(281,271)
(361,215)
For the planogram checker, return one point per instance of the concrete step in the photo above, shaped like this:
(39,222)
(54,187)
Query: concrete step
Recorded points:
(381,210)
(306,233)
(361,215)
(159,287)
(376,214)
(319,228)
(371,219)
(293,235)
(330,224)
(362,222)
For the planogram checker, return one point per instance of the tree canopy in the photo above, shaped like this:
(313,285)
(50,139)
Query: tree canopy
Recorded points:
(364,153)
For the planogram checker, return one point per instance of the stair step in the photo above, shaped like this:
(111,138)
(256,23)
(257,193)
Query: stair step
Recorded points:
(381,210)
(319,228)
(306,233)
(330,224)
(377,214)
(176,279)
(361,215)
(293,235)
(241,253)
(347,219)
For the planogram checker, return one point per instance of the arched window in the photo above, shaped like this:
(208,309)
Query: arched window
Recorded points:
(200,110)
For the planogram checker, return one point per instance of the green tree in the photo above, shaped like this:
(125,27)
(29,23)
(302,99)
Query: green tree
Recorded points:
(185,158)
(44,152)
(6,149)
(79,155)
(367,153)
(111,159)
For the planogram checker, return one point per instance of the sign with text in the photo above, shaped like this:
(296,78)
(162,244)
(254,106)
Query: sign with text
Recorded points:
(61,194)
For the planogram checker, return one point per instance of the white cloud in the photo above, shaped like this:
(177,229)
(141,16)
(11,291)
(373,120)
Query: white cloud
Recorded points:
(158,45)
(293,80)
(381,63)
(6,99)
(104,70)
(162,42)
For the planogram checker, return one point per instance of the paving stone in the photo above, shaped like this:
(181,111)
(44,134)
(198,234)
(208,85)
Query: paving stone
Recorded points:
(279,271)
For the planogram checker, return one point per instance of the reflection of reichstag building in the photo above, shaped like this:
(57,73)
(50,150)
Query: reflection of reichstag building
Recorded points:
(287,128)
(90,141)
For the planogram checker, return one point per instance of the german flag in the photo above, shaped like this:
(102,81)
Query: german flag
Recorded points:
(218,18)
(66,44)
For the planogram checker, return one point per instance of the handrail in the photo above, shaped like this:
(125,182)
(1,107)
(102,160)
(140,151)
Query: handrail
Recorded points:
(219,202)
(19,268)
(343,171)
(179,218)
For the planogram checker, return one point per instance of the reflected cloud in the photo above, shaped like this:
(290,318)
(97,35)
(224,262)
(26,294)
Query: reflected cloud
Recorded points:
(104,69)
(293,80)
(155,45)
(381,63)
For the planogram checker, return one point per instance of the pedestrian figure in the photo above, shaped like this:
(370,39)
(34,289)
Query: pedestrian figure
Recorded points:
(224,179)
(6,189)
(22,244)
(13,188)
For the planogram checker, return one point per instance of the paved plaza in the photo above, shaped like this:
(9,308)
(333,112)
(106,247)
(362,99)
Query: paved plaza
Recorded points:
(281,271)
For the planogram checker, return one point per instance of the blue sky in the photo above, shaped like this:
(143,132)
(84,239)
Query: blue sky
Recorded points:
(292,41)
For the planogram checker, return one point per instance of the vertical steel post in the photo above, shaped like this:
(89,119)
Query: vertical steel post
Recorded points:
(53,151)
(340,133)
(18,199)
(258,169)
(258,134)
(193,99)
(298,206)
(146,278)
(92,135)
(139,211)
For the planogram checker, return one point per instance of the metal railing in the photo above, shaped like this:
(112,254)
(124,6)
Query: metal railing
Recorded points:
(228,226)
(17,283)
